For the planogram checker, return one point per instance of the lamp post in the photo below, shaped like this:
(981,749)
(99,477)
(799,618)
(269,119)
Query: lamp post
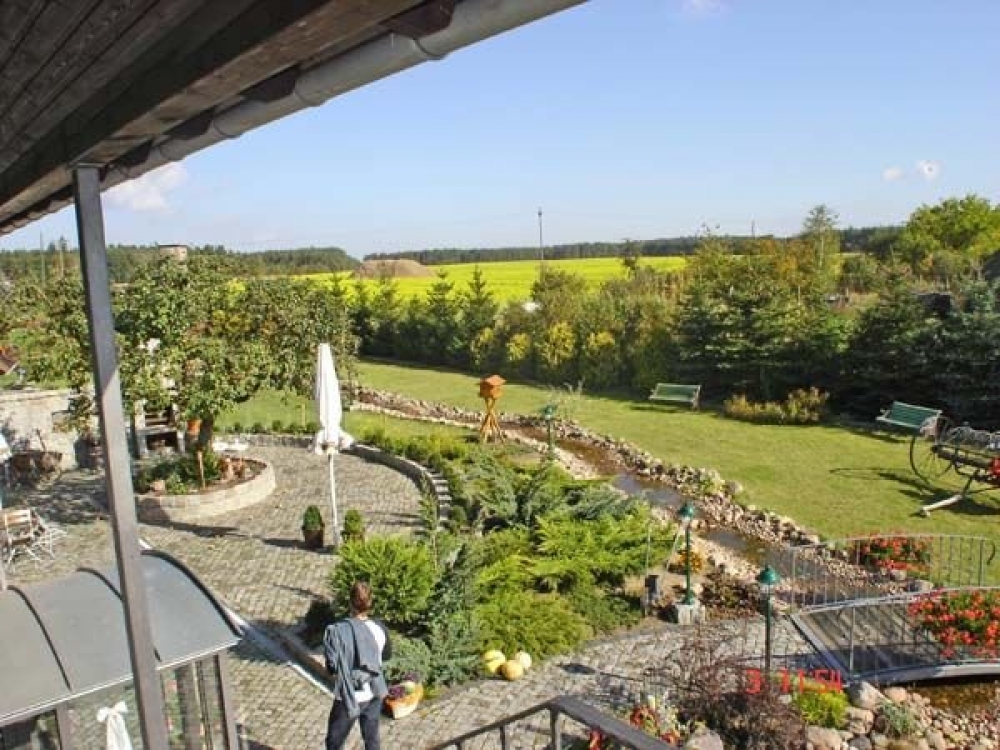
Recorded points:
(549,414)
(686,515)
(768,578)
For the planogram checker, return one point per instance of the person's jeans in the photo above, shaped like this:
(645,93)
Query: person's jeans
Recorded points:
(339,725)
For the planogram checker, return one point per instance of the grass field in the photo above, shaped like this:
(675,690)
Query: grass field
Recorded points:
(512,280)
(836,480)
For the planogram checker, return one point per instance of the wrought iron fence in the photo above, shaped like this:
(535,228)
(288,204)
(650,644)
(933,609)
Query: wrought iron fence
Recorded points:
(876,566)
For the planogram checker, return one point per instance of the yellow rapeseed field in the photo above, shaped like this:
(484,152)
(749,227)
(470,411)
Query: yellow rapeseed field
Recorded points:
(512,280)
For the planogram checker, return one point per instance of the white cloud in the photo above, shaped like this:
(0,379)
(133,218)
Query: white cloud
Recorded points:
(702,7)
(149,192)
(929,170)
(892,174)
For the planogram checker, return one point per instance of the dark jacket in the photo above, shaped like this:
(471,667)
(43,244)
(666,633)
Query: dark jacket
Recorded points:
(355,666)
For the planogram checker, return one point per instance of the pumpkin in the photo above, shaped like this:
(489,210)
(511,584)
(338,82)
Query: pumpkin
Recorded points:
(512,670)
(524,658)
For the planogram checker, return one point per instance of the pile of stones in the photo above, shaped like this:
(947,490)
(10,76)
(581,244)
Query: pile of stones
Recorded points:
(873,721)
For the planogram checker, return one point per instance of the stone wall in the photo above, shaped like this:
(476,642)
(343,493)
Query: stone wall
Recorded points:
(23,411)
(198,506)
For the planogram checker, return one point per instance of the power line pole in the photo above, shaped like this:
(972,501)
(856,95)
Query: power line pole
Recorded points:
(541,244)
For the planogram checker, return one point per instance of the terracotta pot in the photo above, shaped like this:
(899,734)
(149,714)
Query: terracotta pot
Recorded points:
(312,538)
(193,426)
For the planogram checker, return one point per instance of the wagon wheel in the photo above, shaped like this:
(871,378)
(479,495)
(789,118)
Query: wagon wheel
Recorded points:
(925,457)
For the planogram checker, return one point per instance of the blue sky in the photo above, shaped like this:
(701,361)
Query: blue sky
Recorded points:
(619,118)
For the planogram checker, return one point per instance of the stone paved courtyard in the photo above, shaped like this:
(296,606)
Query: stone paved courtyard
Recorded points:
(253,561)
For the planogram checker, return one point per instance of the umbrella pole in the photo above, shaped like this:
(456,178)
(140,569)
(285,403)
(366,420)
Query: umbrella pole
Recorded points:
(333,499)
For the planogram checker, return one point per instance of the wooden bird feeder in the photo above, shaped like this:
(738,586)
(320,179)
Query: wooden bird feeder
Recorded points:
(489,390)
(491,387)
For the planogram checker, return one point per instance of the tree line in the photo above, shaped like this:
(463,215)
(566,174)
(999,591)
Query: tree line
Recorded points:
(58,258)
(852,240)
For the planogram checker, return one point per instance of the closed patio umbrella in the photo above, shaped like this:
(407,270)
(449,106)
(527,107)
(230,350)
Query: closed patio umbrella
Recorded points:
(330,411)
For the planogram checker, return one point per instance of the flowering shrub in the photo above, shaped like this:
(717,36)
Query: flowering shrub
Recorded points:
(964,621)
(894,553)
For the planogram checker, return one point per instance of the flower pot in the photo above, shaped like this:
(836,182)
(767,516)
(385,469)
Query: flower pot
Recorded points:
(312,538)
(400,707)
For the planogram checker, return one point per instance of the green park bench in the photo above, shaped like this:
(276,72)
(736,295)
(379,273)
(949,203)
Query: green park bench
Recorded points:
(677,393)
(907,415)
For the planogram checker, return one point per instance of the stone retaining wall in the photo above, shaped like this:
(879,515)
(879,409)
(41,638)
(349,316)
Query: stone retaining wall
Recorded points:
(23,411)
(188,508)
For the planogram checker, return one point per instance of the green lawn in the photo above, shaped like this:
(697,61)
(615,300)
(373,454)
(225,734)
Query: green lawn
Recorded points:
(269,406)
(835,480)
(512,280)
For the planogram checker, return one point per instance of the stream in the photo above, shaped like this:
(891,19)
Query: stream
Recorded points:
(750,549)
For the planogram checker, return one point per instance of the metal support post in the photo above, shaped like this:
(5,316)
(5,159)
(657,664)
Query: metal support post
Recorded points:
(118,473)
(688,592)
(767,640)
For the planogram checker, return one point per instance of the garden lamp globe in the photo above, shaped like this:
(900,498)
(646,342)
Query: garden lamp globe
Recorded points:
(768,578)
(686,513)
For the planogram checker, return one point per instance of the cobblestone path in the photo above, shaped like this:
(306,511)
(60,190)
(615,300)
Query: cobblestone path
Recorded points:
(253,561)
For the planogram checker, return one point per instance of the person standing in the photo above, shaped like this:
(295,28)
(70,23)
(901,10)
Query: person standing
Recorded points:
(355,649)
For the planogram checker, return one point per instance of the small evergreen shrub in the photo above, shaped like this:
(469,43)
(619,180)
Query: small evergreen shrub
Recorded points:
(822,708)
(896,720)
(409,656)
(401,573)
(312,519)
(541,624)
(278,427)
(237,428)
(605,613)
(354,526)
(257,428)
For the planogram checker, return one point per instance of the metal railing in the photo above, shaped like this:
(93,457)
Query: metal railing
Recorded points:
(847,570)
(559,709)
(882,637)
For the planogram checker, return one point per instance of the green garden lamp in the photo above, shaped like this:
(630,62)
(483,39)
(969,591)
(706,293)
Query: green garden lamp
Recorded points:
(686,515)
(768,578)
(549,415)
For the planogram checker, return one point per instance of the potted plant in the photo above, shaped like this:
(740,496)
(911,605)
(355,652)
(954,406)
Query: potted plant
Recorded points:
(404,696)
(312,528)
(354,527)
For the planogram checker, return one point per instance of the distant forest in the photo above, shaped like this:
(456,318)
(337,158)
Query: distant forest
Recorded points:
(123,260)
(875,240)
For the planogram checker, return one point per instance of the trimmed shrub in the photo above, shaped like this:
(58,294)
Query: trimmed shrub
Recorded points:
(354,526)
(278,427)
(257,428)
(401,573)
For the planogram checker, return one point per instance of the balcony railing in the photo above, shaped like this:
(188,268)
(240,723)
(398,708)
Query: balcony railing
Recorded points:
(558,710)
